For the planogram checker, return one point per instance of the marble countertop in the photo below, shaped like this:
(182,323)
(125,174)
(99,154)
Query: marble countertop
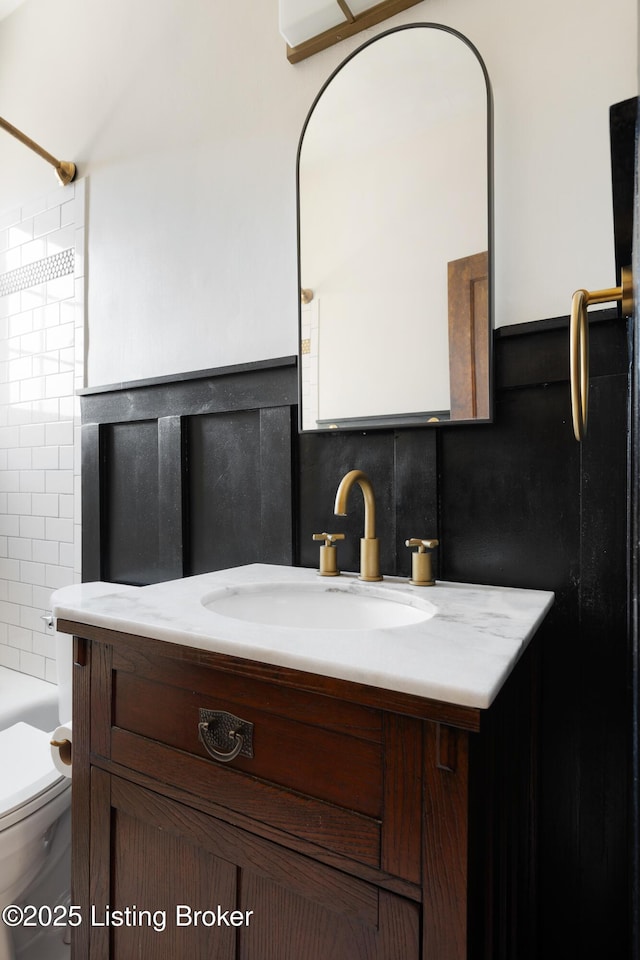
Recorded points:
(462,654)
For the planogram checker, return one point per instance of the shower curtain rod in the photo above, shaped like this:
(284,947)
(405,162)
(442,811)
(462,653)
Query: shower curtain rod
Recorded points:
(65,170)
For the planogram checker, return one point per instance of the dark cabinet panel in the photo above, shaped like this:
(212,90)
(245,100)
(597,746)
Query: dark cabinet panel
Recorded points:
(166,879)
(522,504)
(190,879)
(397,852)
(189,476)
(239,493)
(132,503)
(292,927)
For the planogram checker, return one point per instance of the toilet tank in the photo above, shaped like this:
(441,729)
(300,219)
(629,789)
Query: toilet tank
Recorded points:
(64,664)
(27,698)
(75,595)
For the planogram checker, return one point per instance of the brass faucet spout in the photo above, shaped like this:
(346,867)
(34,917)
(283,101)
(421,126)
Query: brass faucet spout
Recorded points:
(342,494)
(369,547)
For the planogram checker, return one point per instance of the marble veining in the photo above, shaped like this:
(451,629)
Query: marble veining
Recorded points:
(462,653)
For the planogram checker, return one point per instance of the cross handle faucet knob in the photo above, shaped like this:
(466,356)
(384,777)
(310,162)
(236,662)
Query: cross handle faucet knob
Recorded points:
(421,565)
(329,538)
(329,553)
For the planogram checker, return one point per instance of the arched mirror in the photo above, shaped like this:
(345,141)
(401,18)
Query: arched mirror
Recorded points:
(394,236)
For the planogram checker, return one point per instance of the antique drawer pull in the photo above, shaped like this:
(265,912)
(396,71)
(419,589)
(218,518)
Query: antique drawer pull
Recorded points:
(217,730)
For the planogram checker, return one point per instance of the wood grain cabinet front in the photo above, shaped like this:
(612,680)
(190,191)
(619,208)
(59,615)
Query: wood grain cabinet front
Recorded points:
(349,830)
(316,769)
(205,889)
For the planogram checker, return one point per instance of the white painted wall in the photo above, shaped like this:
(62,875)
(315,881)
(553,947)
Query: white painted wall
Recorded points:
(184,115)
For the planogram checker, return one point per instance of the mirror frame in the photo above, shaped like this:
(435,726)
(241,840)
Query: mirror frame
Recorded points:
(394,421)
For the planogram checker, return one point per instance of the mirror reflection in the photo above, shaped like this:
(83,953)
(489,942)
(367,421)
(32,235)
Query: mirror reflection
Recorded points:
(394,227)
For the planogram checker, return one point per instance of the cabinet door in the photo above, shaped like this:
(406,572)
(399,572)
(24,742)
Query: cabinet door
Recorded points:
(295,923)
(140,872)
(242,896)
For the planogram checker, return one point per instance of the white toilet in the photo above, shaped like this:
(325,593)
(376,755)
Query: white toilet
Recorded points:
(35,810)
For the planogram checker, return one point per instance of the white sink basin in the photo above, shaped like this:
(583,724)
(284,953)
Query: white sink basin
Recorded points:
(322,605)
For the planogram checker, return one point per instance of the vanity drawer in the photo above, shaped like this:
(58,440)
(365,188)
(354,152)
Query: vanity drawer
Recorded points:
(317,769)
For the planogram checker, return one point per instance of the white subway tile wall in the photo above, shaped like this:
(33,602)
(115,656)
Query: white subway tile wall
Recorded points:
(41,366)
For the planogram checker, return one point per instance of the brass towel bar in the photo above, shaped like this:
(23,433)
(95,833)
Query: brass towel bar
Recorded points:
(579,343)
(65,170)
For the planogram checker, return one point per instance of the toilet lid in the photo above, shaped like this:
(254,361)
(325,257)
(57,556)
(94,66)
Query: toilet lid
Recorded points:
(26,767)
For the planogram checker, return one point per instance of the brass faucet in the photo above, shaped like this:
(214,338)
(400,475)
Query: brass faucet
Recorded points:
(369,544)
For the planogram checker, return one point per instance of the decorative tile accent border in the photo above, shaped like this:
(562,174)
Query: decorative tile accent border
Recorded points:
(58,265)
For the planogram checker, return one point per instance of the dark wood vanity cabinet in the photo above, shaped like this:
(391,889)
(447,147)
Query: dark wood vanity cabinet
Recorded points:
(368,823)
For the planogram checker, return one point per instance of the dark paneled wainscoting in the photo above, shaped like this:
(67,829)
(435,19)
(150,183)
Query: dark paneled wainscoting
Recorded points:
(207,470)
(523,504)
(185,476)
